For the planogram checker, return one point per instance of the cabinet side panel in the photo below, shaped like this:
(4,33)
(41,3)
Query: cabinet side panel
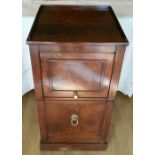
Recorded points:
(107,121)
(116,72)
(35,61)
(41,115)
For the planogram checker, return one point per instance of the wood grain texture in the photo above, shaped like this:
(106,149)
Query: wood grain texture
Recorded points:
(65,147)
(78,47)
(87,73)
(120,135)
(76,24)
(42,120)
(116,71)
(107,121)
(76,52)
(90,119)
(35,61)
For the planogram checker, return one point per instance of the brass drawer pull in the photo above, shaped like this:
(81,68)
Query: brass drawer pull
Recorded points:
(74,120)
(75,95)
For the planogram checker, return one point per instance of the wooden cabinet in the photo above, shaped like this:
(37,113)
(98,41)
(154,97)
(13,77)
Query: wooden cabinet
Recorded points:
(76,54)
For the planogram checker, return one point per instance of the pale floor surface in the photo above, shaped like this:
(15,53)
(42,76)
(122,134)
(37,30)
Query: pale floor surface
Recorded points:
(120,136)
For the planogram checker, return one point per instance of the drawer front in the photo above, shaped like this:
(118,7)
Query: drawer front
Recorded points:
(83,74)
(80,47)
(78,122)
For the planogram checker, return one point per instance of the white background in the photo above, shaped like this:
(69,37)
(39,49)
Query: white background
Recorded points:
(11,84)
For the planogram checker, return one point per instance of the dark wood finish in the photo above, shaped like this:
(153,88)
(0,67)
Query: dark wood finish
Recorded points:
(76,54)
(72,146)
(35,61)
(78,47)
(90,120)
(88,74)
(76,24)
(77,99)
(42,120)
(116,71)
(107,121)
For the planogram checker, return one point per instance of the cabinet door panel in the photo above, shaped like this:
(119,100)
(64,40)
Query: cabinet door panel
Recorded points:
(88,77)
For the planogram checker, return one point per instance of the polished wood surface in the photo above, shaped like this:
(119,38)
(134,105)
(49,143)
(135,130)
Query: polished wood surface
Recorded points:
(120,135)
(76,62)
(87,73)
(75,146)
(76,24)
(90,119)
(78,47)
(36,71)
(116,71)
(67,75)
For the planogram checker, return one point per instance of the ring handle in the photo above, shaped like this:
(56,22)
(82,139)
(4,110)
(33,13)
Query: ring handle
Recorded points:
(74,119)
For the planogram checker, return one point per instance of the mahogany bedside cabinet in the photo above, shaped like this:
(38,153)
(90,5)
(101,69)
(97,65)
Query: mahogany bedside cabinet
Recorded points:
(76,54)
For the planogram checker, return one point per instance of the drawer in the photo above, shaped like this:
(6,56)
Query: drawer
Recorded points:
(80,47)
(76,122)
(83,74)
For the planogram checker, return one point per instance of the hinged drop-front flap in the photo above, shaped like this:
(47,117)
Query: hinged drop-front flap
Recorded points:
(66,73)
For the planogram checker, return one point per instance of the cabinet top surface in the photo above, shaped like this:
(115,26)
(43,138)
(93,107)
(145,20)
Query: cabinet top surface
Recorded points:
(90,24)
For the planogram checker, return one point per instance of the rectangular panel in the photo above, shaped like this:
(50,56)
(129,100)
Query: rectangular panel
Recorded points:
(78,47)
(75,75)
(63,127)
(87,74)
